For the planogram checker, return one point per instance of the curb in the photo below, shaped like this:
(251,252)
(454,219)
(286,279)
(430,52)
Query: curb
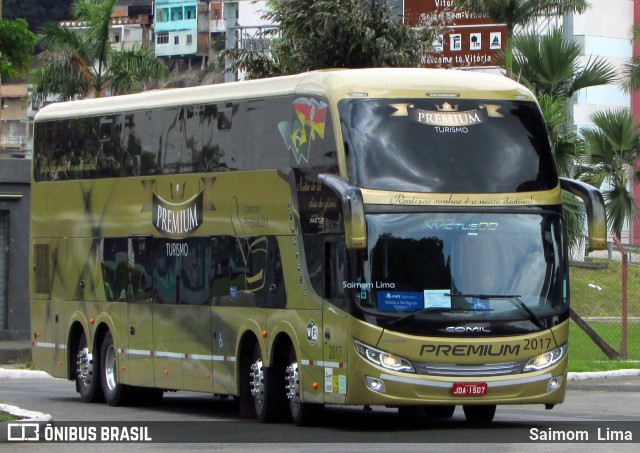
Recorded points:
(25,415)
(23,374)
(602,374)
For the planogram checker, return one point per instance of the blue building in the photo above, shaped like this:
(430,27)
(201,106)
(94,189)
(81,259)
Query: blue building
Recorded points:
(176,28)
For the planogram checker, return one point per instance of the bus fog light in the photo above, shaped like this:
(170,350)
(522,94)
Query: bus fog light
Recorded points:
(546,360)
(377,385)
(554,384)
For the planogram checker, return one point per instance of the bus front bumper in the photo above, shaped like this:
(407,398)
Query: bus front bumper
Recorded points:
(383,387)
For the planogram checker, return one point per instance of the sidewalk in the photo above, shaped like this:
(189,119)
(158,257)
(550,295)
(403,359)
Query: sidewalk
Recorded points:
(14,351)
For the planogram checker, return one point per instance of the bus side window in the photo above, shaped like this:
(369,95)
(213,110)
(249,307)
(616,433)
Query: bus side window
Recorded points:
(219,270)
(166,274)
(193,277)
(113,260)
(326,266)
(334,271)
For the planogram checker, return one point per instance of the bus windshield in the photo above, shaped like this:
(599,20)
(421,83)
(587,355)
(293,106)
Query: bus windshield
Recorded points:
(446,146)
(481,267)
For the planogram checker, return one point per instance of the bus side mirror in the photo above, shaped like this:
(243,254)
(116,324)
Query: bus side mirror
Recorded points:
(355,227)
(594,205)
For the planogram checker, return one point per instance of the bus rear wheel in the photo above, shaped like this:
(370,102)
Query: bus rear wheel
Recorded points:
(479,414)
(87,373)
(302,414)
(115,393)
(262,388)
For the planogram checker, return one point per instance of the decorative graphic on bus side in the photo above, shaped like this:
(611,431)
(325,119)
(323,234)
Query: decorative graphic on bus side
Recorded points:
(311,116)
(178,220)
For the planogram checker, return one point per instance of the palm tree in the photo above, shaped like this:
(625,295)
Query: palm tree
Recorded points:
(631,71)
(551,65)
(612,147)
(83,63)
(519,13)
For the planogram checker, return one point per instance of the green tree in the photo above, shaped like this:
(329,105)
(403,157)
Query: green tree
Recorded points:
(631,70)
(552,65)
(16,47)
(36,12)
(319,34)
(519,13)
(83,63)
(612,146)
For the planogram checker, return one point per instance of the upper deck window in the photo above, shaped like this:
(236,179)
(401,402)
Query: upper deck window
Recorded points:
(447,146)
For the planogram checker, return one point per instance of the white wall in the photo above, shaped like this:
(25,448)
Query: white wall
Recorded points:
(604,31)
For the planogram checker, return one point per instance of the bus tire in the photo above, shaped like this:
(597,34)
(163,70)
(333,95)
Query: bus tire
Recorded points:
(302,414)
(440,411)
(262,388)
(87,373)
(115,393)
(479,414)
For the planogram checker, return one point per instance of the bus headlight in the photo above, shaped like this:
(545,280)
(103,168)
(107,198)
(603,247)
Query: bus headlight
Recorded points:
(546,360)
(383,359)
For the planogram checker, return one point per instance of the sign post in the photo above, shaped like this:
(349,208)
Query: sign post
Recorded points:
(467,40)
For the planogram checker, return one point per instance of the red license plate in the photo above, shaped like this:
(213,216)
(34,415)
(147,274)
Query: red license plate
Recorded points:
(469,389)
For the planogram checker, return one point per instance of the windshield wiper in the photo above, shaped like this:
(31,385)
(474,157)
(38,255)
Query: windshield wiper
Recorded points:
(514,299)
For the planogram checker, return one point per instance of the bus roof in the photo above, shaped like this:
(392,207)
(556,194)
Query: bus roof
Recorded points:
(334,84)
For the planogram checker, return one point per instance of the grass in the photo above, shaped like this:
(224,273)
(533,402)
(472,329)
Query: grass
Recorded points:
(4,417)
(584,355)
(589,301)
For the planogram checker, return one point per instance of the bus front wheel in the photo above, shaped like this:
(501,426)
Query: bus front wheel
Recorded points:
(115,393)
(480,414)
(87,373)
(302,414)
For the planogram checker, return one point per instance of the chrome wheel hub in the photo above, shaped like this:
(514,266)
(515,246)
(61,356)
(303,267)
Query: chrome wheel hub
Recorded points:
(256,379)
(292,379)
(110,368)
(84,366)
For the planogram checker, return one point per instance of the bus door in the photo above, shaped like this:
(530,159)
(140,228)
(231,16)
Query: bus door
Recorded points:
(223,335)
(193,291)
(133,285)
(167,314)
(334,332)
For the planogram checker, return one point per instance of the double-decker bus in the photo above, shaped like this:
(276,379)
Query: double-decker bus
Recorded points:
(349,237)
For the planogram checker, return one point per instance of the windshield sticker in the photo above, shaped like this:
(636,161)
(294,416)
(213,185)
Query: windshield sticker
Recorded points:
(447,118)
(400,301)
(311,116)
(437,298)
(480,304)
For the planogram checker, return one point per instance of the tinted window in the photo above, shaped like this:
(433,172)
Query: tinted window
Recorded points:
(126,270)
(447,146)
(255,134)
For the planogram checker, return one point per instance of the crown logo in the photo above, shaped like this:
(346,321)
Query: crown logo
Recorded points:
(446,107)
(177,191)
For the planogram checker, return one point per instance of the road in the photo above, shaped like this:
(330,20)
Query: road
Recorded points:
(612,405)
